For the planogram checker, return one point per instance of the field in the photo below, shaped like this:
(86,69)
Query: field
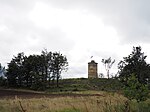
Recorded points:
(90,101)
(78,95)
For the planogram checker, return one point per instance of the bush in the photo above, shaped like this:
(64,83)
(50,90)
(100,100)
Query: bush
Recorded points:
(2,81)
(135,90)
(38,86)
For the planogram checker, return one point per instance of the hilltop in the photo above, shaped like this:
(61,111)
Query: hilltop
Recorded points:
(83,84)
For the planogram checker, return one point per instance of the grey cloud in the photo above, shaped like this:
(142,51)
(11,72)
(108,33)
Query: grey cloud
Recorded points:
(55,39)
(129,17)
(18,29)
(76,71)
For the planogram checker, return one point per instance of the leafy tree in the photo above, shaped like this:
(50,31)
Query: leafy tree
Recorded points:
(20,68)
(15,73)
(46,62)
(136,90)
(108,64)
(31,70)
(35,71)
(2,81)
(134,63)
(12,73)
(59,63)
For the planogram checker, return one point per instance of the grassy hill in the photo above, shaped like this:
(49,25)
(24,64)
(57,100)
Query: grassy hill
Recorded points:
(75,95)
(81,84)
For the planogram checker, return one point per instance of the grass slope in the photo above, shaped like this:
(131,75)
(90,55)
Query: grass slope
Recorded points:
(63,104)
(82,84)
(95,95)
(106,102)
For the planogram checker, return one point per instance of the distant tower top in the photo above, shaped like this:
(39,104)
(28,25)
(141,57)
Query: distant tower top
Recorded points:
(92,69)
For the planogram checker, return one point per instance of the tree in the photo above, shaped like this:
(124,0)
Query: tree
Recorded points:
(46,62)
(12,73)
(136,90)
(59,63)
(19,60)
(15,73)
(31,70)
(108,64)
(134,64)
(35,71)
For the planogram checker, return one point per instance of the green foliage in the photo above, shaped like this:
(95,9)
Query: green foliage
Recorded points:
(135,89)
(80,84)
(2,81)
(59,63)
(131,106)
(15,70)
(134,63)
(35,71)
(140,107)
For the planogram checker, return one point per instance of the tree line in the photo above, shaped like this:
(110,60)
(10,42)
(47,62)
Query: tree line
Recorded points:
(36,71)
(44,70)
(135,63)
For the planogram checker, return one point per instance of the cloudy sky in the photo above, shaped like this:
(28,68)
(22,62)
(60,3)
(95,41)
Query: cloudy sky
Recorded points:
(77,28)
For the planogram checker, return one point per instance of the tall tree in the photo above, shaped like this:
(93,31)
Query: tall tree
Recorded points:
(19,59)
(108,64)
(134,64)
(46,62)
(15,73)
(35,70)
(49,62)
(59,63)
(12,73)
(31,70)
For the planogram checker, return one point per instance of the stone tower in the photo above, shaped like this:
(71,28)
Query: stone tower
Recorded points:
(92,69)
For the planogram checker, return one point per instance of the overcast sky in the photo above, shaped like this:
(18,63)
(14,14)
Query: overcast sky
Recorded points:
(77,28)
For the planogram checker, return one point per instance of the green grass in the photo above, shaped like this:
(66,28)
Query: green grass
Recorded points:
(83,84)
(106,98)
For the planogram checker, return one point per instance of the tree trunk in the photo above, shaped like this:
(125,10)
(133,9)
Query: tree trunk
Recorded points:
(57,82)
(108,74)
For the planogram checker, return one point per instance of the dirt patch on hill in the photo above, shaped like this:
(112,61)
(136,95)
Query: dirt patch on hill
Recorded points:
(11,94)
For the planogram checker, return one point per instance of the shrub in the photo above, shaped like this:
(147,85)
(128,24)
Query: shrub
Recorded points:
(135,90)
(2,81)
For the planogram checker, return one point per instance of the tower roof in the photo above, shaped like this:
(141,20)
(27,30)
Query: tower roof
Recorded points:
(92,62)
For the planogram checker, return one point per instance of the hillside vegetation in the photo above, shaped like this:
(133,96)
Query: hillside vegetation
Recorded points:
(102,102)
(83,84)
